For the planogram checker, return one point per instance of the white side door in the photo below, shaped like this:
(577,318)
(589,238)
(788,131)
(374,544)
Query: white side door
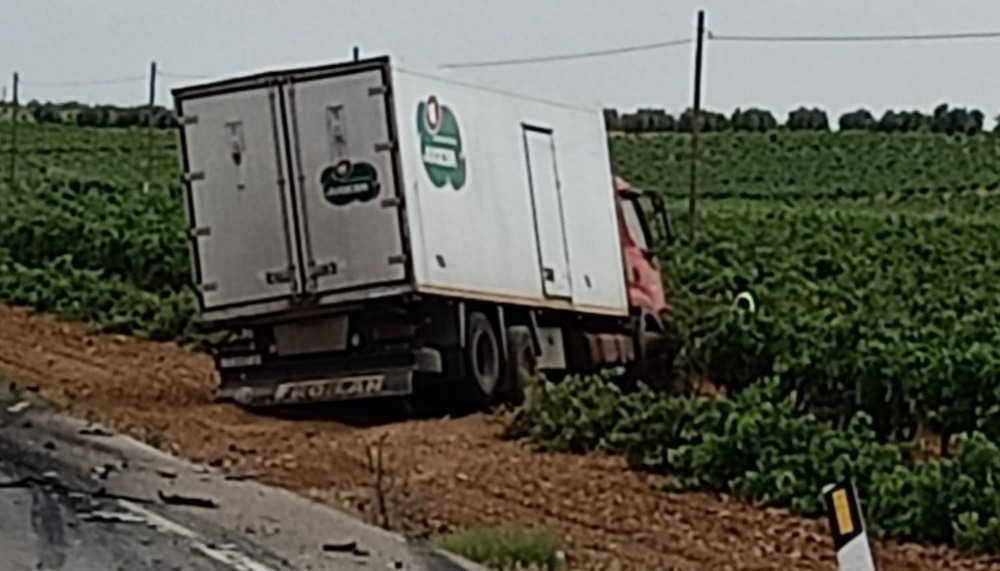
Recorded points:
(546,199)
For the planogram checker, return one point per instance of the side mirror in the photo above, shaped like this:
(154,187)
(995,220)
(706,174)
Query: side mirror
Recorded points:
(660,218)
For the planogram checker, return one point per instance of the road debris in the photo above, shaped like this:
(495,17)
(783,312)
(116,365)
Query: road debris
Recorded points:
(345,546)
(112,517)
(95,431)
(18,483)
(168,474)
(104,493)
(49,445)
(19,407)
(102,471)
(180,500)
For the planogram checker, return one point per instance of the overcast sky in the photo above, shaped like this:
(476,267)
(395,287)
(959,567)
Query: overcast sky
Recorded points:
(87,40)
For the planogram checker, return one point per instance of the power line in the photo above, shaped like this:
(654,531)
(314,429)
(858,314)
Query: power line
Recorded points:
(182,75)
(874,38)
(571,56)
(84,83)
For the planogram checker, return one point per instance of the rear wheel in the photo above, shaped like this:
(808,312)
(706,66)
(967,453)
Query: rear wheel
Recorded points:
(483,361)
(522,364)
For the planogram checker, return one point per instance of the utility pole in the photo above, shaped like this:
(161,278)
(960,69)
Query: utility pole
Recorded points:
(150,126)
(13,133)
(696,129)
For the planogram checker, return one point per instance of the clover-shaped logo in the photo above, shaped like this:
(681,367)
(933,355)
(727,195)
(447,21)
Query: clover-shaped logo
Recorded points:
(345,182)
(441,144)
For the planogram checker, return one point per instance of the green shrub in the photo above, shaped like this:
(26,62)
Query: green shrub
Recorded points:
(759,448)
(507,548)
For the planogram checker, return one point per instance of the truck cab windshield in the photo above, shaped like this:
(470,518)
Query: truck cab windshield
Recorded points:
(636,221)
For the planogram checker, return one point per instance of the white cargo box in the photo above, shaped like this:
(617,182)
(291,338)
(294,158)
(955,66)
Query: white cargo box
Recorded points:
(358,181)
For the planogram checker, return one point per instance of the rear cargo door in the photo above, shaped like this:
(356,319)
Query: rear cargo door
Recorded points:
(342,148)
(238,204)
(546,200)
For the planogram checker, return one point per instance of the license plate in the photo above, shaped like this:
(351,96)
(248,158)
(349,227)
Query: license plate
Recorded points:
(239,361)
(330,389)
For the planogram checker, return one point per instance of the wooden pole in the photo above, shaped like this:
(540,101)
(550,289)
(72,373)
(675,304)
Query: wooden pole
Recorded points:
(150,125)
(13,133)
(696,129)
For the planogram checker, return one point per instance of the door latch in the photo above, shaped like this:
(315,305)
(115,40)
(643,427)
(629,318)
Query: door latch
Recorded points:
(327,269)
(279,277)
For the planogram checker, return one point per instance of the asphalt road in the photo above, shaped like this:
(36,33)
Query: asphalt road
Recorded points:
(43,528)
(74,500)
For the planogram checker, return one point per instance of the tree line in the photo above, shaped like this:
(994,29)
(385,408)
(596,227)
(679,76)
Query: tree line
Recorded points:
(84,115)
(944,119)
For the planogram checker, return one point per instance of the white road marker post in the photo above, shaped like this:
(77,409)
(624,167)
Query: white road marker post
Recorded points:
(847,525)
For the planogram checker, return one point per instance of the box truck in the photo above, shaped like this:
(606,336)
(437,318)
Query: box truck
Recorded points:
(359,230)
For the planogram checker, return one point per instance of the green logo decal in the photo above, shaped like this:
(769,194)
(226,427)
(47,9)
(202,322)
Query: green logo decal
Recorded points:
(440,144)
(345,182)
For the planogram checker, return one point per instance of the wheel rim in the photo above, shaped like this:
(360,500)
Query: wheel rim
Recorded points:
(528,362)
(485,363)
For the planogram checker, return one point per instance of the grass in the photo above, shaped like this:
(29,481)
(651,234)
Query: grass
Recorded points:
(507,548)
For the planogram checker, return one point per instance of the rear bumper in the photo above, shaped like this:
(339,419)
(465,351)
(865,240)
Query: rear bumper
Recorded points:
(321,379)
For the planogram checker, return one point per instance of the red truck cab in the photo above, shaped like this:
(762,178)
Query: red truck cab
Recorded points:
(644,228)
(642,266)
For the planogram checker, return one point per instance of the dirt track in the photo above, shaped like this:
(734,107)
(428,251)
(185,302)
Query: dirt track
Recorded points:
(443,473)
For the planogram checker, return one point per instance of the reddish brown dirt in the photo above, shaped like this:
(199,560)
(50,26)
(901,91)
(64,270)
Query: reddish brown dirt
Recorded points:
(441,474)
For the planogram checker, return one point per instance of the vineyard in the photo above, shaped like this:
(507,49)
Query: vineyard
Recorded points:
(873,257)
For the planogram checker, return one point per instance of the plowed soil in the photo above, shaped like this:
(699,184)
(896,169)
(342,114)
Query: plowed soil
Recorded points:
(438,474)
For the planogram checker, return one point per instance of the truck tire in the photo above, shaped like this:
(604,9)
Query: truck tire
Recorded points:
(522,364)
(656,344)
(483,361)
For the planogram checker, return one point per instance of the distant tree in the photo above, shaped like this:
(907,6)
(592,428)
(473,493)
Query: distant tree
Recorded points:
(48,114)
(165,119)
(957,121)
(891,122)
(941,122)
(859,120)
(711,122)
(657,120)
(611,120)
(648,121)
(89,117)
(803,119)
(631,123)
(125,118)
(914,121)
(977,120)
(753,120)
